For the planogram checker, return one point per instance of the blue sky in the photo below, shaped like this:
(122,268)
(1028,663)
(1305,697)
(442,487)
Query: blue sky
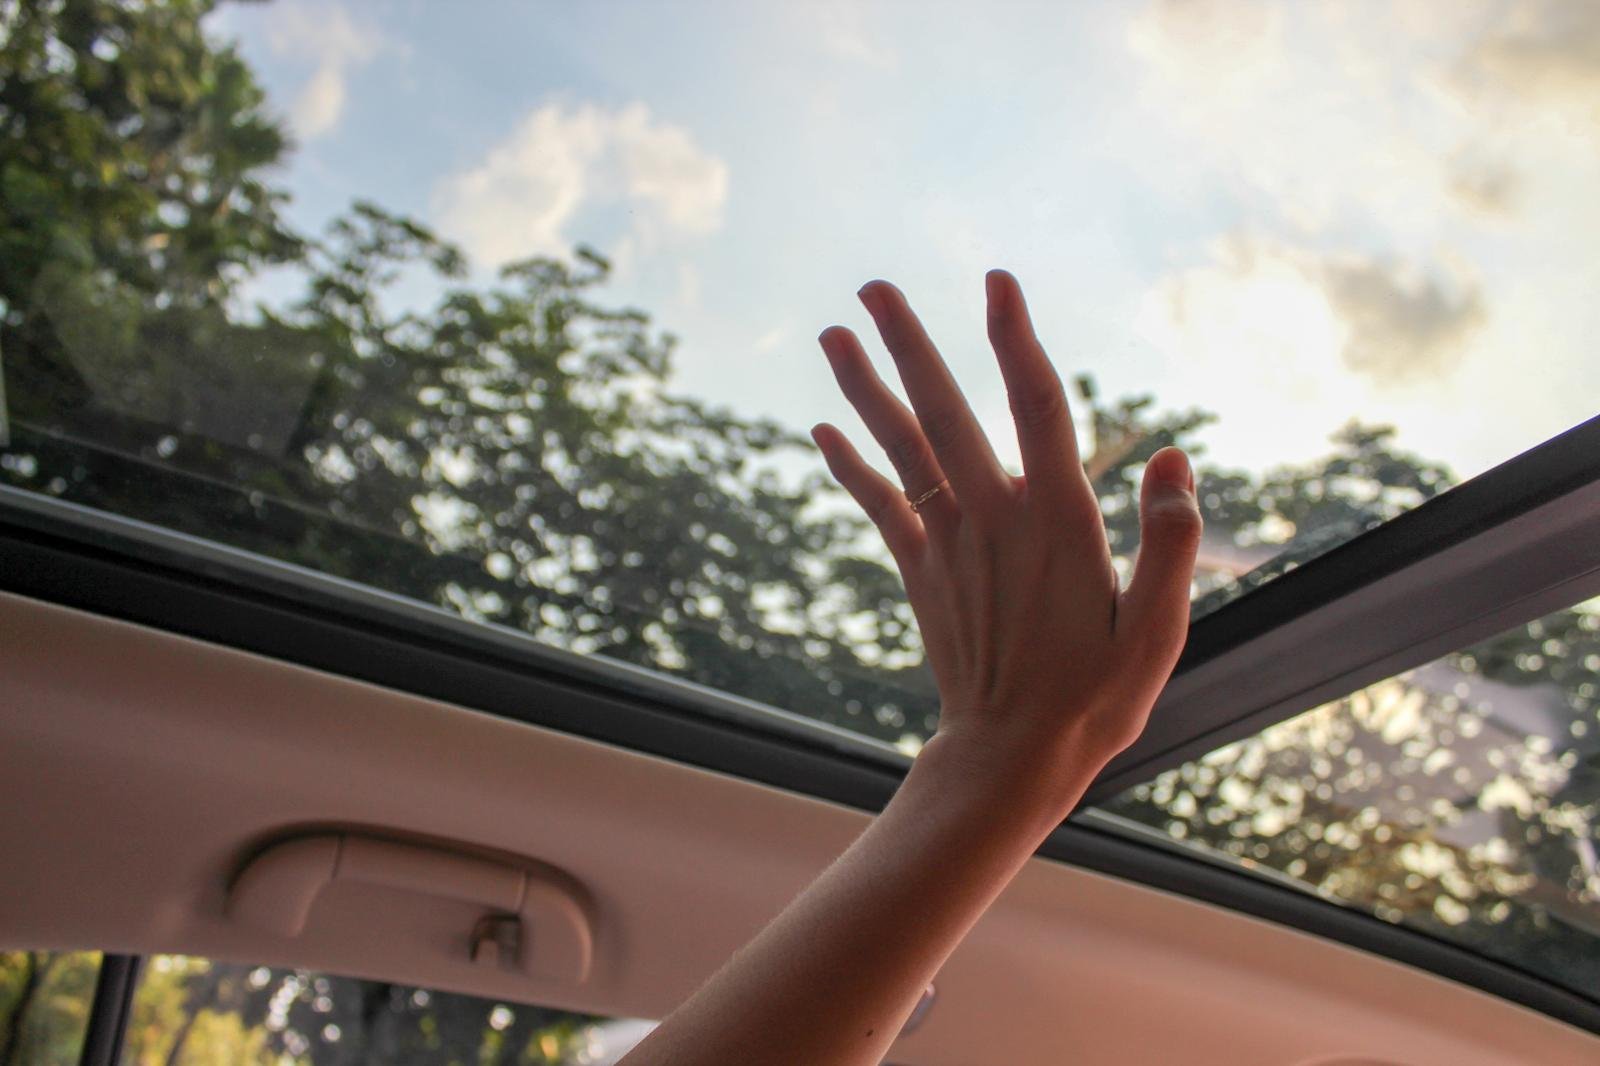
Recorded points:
(1289,215)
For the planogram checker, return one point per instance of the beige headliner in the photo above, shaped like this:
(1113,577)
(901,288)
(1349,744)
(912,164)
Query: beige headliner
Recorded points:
(140,770)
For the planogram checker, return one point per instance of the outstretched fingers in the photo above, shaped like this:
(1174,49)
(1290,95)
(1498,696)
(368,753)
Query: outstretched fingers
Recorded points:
(884,505)
(947,422)
(889,421)
(1155,608)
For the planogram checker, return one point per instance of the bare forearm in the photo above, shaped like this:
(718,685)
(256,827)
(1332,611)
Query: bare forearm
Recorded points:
(833,978)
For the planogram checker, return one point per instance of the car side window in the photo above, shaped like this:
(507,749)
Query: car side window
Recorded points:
(188,1011)
(45,999)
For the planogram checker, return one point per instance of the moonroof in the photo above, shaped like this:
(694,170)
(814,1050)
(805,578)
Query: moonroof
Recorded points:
(1460,799)
(515,315)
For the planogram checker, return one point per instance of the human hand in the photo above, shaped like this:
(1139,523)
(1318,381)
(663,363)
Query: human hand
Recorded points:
(1045,668)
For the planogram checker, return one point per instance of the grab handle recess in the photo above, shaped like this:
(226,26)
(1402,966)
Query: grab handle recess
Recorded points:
(276,891)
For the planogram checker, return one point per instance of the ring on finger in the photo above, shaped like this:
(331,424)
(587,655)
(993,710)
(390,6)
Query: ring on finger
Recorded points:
(917,502)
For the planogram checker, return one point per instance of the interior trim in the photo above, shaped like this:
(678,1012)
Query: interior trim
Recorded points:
(114,728)
(1525,482)
(542,916)
(116,567)
(1086,840)
(1500,549)
(294,633)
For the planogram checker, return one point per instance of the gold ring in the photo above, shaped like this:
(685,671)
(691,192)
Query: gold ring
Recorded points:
(918,501)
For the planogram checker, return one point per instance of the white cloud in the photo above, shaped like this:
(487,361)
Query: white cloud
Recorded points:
(1410,115)
(1304,317)
(1307,118)
(1488,187)
(318,105)
(770,341)
(335,43)
(525,195)
(1402,324)
(1447,151)
(1544,51)
(1232,48)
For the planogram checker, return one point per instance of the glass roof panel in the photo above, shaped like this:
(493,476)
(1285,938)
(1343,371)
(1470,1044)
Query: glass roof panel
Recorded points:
(1460,799)
(354,289)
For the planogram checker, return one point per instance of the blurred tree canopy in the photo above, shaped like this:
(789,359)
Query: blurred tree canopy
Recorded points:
(196,1012)
(44,1004)
(516,452)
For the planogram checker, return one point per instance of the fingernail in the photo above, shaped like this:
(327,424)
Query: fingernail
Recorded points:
(994,284)
(870,298)
(1171,467)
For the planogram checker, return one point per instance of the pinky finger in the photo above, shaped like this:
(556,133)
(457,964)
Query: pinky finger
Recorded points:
(884,504)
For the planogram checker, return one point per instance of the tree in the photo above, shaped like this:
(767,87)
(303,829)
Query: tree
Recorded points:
(131,197)
(191,1011)
(1413,798)
(512,453)
(44,1004)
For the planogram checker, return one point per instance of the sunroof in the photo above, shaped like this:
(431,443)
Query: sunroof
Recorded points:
(1459,799)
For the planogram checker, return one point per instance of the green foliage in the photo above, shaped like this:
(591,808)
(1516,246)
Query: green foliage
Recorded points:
(1420,799)
(195,1012)
(131,189)
(44,1005)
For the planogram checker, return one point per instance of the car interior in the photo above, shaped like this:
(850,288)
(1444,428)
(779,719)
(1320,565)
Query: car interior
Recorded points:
(399,670)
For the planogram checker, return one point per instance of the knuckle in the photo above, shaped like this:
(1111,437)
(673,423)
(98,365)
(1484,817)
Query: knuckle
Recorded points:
(943,428)
(1175,521)
(877,503)
(909,455)
(1037,408)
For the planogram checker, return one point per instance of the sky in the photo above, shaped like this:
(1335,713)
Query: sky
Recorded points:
(1290,215)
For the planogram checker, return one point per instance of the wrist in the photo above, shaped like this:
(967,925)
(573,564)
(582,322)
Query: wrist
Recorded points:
(1026,790)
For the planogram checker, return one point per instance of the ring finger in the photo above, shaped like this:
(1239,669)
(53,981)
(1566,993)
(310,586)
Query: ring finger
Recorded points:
(891,424)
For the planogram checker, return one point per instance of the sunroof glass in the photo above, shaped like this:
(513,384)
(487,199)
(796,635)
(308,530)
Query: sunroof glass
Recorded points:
(325,299)
(1461,799)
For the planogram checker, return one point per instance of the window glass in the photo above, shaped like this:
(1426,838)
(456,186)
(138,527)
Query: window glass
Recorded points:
(45,999)
(1461,799)
(515,315)
(189,1011)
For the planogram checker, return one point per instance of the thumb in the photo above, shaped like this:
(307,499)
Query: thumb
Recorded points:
(1155,608)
